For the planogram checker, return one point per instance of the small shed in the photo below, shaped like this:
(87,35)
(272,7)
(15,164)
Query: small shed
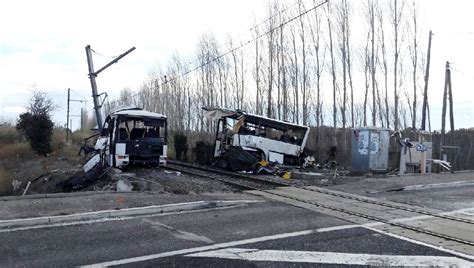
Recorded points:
(370,146)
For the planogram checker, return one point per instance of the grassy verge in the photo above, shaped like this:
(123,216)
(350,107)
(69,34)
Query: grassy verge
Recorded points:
(19,162)
(5,182)
(15,151)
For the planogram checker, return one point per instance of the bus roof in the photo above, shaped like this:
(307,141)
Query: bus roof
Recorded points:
(216,113)
(137,112)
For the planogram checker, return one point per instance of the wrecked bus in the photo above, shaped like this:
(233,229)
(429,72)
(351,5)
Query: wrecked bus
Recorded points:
(133,136)
(267,139)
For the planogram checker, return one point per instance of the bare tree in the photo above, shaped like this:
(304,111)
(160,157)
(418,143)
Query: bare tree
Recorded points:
(283,73)
(305,94)
(236,83)
(379,105)
(41,104)
(256,74)
(342,15)
(333,72)
(366,59)
(397,12)
(380,16)
(294,77)
(372,59)
(126,97)
(414,61)
(271,52)
(316,39)
(347,9)
(207,54)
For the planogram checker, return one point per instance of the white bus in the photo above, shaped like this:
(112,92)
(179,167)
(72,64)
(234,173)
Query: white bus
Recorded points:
(268,139)
(131,136)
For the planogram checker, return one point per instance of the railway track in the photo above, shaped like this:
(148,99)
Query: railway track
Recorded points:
(432,223)
(244,181)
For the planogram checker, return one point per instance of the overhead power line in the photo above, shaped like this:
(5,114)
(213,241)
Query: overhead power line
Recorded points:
(100,54)
(239,46)
(274,16)
(80,95)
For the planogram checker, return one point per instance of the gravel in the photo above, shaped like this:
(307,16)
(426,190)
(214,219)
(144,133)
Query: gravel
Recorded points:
(178,183)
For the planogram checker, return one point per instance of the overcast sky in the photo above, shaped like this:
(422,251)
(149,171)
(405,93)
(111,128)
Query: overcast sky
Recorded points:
(42,45)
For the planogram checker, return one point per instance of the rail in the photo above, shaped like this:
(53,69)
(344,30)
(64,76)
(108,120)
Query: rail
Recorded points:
(260,183)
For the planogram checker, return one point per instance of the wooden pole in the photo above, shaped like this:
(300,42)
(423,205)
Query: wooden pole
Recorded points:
(425,92)
(67,114)
(82,118)
(422,140)
(443,112)
(450,93)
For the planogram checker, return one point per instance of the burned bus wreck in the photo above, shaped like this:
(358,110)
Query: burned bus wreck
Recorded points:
(265,138)
(133,136)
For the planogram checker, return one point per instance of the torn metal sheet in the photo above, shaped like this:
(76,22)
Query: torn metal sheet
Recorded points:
(94,161)
(216,113)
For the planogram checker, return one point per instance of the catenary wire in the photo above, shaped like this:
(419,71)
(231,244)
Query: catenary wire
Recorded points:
(242,44)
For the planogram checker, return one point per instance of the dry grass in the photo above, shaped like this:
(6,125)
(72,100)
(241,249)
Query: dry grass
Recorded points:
(16,154)
(79,136)
(5,181)
(58,140)
(9,135)
(15,151)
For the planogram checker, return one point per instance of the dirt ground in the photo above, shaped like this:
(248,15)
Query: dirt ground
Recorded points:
(43,172)
(46,172)
(163,181)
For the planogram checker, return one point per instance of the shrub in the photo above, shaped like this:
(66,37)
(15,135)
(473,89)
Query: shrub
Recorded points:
(204,152)
(180,145)
(38,130)
(36,124)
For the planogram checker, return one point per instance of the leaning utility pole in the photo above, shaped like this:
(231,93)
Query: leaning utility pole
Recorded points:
(93,75)
(448,94)
(425,92)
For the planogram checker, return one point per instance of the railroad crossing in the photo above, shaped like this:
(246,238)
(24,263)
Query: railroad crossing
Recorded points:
(273,222)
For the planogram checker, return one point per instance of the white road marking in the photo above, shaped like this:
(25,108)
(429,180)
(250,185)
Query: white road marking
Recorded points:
(179,233)
(337,228)
(467,212)
(281,236)
(420,187)
(437,185)
(126,212)
(470,257)
(74,223)
(198,249)
(332,258)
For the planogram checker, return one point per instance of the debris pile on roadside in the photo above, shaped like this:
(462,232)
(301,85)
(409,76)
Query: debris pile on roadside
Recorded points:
(237,159)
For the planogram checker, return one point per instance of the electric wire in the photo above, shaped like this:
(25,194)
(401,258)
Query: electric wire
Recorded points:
(102,55)
(242,44)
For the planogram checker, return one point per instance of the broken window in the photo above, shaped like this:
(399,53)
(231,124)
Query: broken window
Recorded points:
(142,128)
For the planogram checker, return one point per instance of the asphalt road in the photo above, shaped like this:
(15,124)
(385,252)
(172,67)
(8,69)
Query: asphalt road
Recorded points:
(446,192)
(264,234)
